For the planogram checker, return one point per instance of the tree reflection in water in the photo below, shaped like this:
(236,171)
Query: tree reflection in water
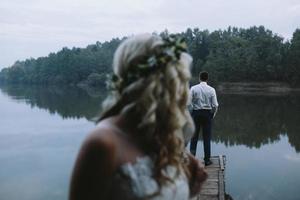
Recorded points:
(68,102)
(251,120)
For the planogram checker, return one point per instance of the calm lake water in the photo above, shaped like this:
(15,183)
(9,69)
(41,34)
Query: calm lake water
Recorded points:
(41,130)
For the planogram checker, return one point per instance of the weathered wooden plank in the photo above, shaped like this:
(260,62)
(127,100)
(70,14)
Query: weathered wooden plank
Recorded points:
(211,185)
(209,191)
(221,186)
(212,171)
(207,197)
(213,176)
(212,166)
(213,179)
(221,160)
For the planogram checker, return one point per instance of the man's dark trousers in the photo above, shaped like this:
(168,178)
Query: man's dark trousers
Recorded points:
(202,118)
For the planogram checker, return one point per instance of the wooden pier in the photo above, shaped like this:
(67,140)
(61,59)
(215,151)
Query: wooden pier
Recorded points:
(214,186)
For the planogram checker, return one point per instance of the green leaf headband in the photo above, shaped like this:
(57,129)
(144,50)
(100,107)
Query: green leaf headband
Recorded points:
(169,51)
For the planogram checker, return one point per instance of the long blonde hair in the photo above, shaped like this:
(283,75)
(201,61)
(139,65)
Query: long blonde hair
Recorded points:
(154,104)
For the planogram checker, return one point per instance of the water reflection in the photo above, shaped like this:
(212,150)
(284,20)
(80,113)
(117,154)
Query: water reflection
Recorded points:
(37,150)
(68,102)
(249,120)
(257,120)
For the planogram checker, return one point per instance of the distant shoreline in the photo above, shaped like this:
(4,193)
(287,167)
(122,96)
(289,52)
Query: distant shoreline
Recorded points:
(248,88)
(255,88)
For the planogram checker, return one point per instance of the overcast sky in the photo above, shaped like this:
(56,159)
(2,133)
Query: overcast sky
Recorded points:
(33,28)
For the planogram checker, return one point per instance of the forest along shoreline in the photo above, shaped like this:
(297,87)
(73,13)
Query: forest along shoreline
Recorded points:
(259,88)
(253,54)
(248,88)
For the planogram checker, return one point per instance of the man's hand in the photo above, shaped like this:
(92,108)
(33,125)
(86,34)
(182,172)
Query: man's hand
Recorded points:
(214,112)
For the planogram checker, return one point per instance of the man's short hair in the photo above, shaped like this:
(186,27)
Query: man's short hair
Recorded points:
(203,76)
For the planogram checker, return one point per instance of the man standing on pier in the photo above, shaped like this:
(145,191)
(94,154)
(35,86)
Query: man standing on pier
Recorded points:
(204,108)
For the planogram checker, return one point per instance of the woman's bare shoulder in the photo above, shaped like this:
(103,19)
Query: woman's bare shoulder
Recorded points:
(103,137)
(95,164)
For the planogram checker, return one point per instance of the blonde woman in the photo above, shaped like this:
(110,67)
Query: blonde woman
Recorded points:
(136,150)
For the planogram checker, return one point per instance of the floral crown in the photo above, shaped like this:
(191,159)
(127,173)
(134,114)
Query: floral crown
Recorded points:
(168,52)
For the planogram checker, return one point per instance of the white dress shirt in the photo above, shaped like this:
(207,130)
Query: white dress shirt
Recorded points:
(203,96)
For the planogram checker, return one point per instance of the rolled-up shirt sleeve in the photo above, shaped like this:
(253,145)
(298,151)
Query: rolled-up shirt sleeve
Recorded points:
(214,101)
(190,99)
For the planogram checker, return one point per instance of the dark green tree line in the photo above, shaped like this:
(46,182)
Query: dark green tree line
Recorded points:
(232,55)
(253,54)
(68,66)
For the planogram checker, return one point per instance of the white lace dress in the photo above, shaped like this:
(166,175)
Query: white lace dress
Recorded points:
(136,182)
